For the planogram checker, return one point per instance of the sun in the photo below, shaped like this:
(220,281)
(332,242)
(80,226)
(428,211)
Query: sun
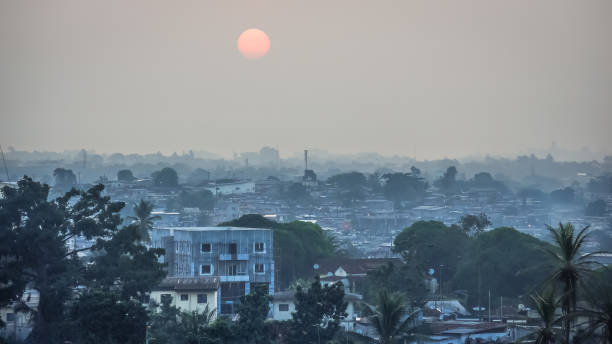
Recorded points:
(253,44)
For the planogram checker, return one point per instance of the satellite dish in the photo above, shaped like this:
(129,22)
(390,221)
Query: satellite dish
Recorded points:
(316,266)
(431,272)
(329,274)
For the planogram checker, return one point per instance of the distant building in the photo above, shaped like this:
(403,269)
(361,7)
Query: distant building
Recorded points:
(231,188)
(239,257)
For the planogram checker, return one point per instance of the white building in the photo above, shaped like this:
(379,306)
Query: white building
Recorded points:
(283,305)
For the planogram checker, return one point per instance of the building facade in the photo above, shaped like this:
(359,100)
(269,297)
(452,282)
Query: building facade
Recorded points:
(241,258)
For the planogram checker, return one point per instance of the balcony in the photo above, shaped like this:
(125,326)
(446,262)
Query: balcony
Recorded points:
(239,256)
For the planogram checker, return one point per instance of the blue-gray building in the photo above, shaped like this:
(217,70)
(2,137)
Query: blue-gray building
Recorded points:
(240,257)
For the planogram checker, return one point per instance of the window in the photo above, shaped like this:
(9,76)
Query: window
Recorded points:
(233,248)
(184,297)
(202,298)
(10,317)
(283,307)
(232,270)
(206,269)
(206,248)
(166,298)
(259,268)
(259,247)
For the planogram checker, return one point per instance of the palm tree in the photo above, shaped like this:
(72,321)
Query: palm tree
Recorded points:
(388,316)
(194,324)
(546,305)
(143,218)
(599,312)
(570,267)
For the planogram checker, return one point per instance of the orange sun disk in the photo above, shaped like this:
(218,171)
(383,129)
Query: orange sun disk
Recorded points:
(253,44)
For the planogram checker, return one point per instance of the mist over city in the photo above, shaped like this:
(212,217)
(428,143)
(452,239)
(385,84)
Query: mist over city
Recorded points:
(279,172)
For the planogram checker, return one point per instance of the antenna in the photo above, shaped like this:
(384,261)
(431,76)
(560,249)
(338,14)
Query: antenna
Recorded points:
(306,159)
(8,179)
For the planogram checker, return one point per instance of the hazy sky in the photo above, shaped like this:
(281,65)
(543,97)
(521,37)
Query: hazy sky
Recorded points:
(439,78)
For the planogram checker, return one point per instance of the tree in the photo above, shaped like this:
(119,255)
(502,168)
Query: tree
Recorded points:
(64,179)
(252,313)
(596,208)
(570,266)
(202,199)
(165,323)
(34,232)
(546,305)
(350,185)
(484,180)
(563,196)
(474,224)
(400,187)
(405,278)
(125,176)
(523,265)
(143,219)
(448,183)
(598,296)
(430,244)
(319,311)
(194,326)
(298,193)
(166,177)
(391,316)
(102,317)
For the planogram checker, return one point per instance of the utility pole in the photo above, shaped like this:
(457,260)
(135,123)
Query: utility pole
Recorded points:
(489,305)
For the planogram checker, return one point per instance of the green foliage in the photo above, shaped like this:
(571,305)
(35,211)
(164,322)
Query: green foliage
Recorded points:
(601,184)
(474,224)
(400,187)
(297,193)
(202,199)
(509,262)
(34,232)
(484,180)
(299,245)
(166,177)
(532,193)
(571,267)
(164,324)
(390,317)
(596,208)
(143,218)
(252,312)
(429,244)
(125,176)
(319,311)
(103,317)
(546,304)
(404,278)
(350,186)
(448,183)
(563,196)
(64,178)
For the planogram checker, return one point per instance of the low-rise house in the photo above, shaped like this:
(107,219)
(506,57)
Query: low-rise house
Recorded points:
(283,305)
(351,271)
(17,324)
(188,293)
